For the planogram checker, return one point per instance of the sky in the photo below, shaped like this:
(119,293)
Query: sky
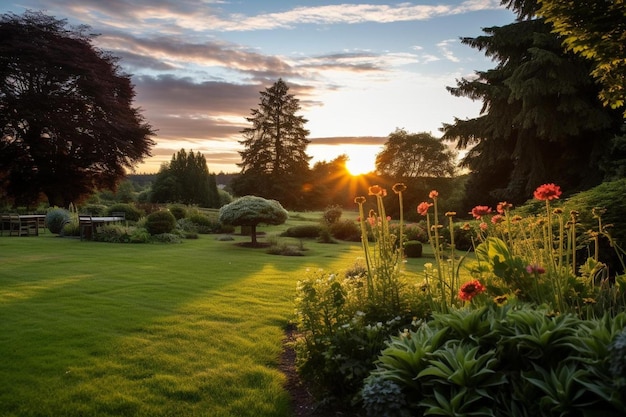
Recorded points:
(360,70)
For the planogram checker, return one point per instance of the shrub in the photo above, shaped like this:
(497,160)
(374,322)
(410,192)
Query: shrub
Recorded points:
(55,219)
(132,213)
(559,364)
(178,211)
(416,231)
(166,237)
(71,228)
(346,230)
(332,214)
(112,233)
(325,236)
(94,209)
(413,249)
(303,231)
(160,222)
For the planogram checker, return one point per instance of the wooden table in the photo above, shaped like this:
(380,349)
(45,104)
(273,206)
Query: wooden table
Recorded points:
(22,224)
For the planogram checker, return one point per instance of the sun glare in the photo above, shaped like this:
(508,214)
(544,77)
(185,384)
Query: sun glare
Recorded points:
(361,162)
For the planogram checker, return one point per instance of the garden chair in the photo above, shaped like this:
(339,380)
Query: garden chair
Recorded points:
(85,225)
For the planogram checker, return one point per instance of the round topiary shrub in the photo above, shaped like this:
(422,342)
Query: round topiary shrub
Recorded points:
(179,212)
(56,219)
(413,249)
(160,222)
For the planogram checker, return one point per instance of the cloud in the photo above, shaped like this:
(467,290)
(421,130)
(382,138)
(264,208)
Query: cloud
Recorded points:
(176,16)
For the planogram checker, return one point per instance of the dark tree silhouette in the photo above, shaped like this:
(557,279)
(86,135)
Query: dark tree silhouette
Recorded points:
(415,155)
(274,163)
(66,117)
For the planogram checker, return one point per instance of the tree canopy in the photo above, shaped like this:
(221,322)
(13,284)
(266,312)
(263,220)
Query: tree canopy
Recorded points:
(541,119)
(596,30)
(274,162)
(66,117)
(414,155)
(186,180)
(251,211)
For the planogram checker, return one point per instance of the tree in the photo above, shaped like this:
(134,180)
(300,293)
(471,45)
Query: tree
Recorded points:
(251,211)
(415,155)
(596,30)
(541,119)
(274,162)
(186,180)
(67,122)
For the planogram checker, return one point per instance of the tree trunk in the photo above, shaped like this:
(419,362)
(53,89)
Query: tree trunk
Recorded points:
(253,234)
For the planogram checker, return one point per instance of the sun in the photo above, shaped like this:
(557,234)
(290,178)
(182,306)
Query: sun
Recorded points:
(361,162)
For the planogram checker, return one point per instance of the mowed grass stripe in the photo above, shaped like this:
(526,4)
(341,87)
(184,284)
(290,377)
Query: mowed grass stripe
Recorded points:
(191,329)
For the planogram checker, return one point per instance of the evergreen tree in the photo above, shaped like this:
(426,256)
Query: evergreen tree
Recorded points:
(186,180)
(274,162)
(541,119)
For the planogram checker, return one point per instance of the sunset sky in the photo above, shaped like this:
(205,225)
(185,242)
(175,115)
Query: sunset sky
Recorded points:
(359,69)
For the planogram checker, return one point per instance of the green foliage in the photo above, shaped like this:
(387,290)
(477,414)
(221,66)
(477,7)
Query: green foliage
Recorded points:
(332,214)
(70,228)
(540,101)
(130,210)
(160,222)
(346,230)
(112,233)
(251,211)
(94,209)
(457,364)
(413,249)
(178,211)
(186,179)
(55,219)
(303,231)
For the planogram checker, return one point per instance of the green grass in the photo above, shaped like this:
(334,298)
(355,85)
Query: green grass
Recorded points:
(191,329)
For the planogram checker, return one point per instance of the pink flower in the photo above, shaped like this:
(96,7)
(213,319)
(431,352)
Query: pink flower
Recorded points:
(480,211)
(483,226)
(535,269)
(497,219)
(547,192)
(422,208)
(470,289)
(433,194)
(372,221)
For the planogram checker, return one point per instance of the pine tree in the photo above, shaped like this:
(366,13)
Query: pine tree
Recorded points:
(541,119)
(274,162)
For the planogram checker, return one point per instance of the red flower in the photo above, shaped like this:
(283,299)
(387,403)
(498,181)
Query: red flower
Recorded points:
(497,219)
(480,211)
(433,194)
(483,226)
(503,207)
(422,208)
(470,290)
(547,192)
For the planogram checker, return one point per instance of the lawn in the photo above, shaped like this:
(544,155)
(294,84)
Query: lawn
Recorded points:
(190,329)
